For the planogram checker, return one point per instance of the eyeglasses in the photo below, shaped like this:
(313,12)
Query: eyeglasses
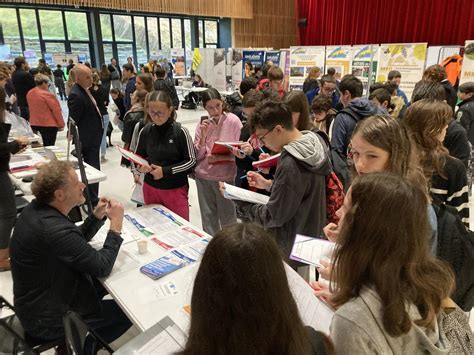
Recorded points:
(214,108)
(262,138)
(157,114)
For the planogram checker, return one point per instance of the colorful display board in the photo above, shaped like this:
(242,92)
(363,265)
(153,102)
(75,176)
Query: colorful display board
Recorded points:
(339,58)
(467,70)
(302,59)
(5,53)
(256,57)
(364,64)
(408,58)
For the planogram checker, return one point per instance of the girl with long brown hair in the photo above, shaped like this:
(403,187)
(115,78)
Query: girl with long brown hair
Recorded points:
(242,303)
(427,122)
(299,106)
(390,289)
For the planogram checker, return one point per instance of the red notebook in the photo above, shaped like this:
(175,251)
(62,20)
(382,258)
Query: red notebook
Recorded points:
(224,148)
(267,163)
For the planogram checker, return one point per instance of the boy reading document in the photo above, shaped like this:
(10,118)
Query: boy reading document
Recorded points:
(297,201)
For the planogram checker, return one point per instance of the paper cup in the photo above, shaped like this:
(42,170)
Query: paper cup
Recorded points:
(142,246)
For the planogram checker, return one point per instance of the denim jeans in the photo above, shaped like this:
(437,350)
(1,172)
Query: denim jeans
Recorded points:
(103,144)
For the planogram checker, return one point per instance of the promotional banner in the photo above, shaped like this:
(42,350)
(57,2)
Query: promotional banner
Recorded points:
(274,56)
(364,64)
(219,75)
(31,58)
(237,66)
(407,58)
(83,58)
(285,66)
(189,61)
(254,57)
(339,58)
(467,70)
(177,59)
(5,53)
(302,59)
(63,58)
(203,64)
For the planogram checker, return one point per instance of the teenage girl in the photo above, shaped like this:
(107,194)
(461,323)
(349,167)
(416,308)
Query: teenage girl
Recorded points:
(168,148)
(216,211)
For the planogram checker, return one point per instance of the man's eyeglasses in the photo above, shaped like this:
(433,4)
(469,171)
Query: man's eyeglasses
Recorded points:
(262,138)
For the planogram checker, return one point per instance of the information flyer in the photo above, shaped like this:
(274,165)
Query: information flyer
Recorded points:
(467,70)
(339,58)
(302,59)
(362,57)
(254,57)
(408,58)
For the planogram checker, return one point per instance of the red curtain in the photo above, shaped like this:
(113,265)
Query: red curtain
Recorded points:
(349,22)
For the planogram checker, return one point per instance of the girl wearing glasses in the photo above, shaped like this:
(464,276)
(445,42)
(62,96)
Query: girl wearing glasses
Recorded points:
(168,148)
(216,211)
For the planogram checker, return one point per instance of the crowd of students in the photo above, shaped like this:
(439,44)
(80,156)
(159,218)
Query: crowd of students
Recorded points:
(397,161)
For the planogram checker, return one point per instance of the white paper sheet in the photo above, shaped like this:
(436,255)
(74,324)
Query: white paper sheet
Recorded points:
(236,193)
(311,250)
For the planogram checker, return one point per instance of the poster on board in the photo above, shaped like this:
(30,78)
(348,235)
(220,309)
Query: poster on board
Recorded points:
(274,56)
(285,66)
(219,71)
(302,59)
(407,58)
(339,58)
(363,57)
(254,57)
(48,58)
(177,59)
(237,65)
(467,70)
(5,53)
(31,58)
(203,64)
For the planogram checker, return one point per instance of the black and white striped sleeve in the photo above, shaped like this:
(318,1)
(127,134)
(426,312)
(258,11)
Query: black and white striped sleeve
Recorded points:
(189,156)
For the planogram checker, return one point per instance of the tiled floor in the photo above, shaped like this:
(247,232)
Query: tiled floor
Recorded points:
(119,186)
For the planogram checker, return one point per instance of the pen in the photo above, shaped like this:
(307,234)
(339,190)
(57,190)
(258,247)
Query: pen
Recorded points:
(262,150)
(243,177)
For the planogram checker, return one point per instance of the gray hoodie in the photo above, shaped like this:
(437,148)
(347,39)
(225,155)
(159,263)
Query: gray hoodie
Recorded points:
(298,196)
(357,328)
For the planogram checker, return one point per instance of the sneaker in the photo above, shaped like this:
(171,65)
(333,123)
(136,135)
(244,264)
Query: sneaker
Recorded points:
(103,159)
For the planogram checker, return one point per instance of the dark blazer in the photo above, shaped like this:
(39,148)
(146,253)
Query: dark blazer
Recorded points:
(83,111)
(23,82)
(54,269)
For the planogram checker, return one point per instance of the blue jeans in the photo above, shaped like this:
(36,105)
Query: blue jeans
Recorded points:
(103,144)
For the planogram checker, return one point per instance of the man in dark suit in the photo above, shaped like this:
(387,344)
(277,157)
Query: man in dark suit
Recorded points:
(84,111)
(115,74)
(22,82)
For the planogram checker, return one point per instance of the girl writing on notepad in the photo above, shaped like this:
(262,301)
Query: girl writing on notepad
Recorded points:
(168,148)
(219,125)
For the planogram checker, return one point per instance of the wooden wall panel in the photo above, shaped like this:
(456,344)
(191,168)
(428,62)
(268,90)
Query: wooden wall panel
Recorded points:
(274,24)
(215,8)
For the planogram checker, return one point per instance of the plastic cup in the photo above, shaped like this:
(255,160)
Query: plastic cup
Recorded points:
(142,246)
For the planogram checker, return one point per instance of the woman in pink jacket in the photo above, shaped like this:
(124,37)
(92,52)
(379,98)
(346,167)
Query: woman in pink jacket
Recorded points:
(45,112)
(216,211)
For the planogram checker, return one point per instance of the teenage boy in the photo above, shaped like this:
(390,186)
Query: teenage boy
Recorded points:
(130,77)
(297,194)
(164,84)
(275,80)
(465,113)
(396,77)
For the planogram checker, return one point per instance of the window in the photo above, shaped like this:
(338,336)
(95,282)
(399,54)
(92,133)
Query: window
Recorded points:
(108,52)
(201,34)
(11,33)
(153,40)
(165,33)
(55,47)
(77,28)
(123,28)
(140,39)
(106,27)
(177,38)
(81,49)
(187,34)
(124,50)
(210,33)
(52,26)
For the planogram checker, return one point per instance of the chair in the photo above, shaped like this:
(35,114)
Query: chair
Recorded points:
(13,339)
(79,334)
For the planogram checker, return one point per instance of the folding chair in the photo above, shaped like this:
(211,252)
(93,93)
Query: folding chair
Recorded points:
(13,339)
(79,334)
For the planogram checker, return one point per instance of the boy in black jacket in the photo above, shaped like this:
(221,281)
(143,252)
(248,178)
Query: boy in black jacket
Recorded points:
(297,194)
(166,85)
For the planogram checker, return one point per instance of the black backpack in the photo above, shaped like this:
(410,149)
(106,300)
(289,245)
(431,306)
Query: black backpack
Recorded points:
(456,246)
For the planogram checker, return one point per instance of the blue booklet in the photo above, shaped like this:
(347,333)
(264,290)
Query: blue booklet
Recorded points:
(162,267)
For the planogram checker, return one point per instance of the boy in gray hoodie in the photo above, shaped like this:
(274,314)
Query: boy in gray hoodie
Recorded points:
(298,192)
